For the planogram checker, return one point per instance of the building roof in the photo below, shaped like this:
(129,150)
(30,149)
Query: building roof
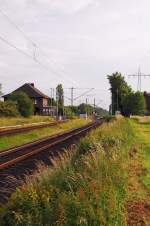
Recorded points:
(30,90)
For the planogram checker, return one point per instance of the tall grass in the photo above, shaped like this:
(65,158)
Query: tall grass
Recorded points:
(14,121)
(87,187)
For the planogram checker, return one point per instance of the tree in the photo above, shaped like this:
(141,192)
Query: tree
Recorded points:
(24,103)
(1,90)
(85,108)
(51,102)
(134,104)
(60,99)
(8,108)
(119,89)
(68,112)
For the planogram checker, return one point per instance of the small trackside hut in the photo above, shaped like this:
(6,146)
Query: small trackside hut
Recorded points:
(40,100)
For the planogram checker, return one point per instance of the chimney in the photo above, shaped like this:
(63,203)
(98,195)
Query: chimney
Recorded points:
(32,84)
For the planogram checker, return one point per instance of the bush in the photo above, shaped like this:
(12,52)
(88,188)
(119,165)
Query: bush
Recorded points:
(24,103)
(8,108)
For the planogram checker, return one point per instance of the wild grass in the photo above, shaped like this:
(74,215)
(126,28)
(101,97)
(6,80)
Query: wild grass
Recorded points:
(23,138)
(142,119)
(142,133)
(87,187)
(15,121)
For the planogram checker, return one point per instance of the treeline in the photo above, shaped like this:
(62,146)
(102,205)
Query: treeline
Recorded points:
(84,109)
(124,99)
(19,103)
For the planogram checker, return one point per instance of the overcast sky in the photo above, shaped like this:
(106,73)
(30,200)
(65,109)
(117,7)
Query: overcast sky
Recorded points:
(79,43)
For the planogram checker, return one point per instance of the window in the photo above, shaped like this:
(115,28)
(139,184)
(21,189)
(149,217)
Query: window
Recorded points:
(35,101)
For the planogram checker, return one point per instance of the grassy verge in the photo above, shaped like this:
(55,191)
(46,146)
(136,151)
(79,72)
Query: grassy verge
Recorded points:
(20,139)
(21,121)
(138,205)
(103,181)
(87,188)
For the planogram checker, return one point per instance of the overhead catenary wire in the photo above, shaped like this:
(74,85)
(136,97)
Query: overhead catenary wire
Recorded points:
(17,27)
(34,44)
(28,55)
(36,47)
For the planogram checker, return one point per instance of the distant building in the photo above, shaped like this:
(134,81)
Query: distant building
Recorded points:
(147,99)
(84,116)
(39,99)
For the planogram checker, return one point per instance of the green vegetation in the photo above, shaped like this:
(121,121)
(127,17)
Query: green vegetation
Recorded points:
(11,121)
(124,99)
(134,104)
(23,138)
(8,109)
(84,108)
(86,189)
(102,181)
(1,90)
(60,98)
(24,103)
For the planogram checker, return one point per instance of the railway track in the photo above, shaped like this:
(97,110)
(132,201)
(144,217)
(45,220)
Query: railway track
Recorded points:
(13,156)
(16,163)
(10,132)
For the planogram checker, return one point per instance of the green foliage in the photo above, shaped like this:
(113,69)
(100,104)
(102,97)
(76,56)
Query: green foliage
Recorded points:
(134,104)
(109,118)
(24,103)
(51,102)
(87,191)
(69,112)
(1,90)
(87,108)
(8,108)
(60,98)
(119,89)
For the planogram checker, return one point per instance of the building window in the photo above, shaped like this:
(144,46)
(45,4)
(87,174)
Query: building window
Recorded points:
(35,101)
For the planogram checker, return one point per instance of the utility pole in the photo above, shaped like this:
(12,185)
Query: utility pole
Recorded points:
(51,97)
(86,107)
(83,94)
(94,104)
(72,92)
(56,105)
(139,75)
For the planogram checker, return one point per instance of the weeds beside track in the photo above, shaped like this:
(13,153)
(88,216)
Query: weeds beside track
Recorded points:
(18,161)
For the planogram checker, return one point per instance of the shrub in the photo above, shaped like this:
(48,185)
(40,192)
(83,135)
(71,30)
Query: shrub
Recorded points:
(24,103)
(8,108)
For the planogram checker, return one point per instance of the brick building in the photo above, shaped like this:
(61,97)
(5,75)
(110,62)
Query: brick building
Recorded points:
(39,99)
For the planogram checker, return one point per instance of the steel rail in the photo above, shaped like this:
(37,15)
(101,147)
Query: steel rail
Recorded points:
(50,142)
(10,132)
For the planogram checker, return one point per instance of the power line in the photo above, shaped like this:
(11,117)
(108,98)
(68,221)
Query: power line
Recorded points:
(28,55)
(34,44)
(139,75)
(72,93)
(13,46)
(83,94)
(17,27)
